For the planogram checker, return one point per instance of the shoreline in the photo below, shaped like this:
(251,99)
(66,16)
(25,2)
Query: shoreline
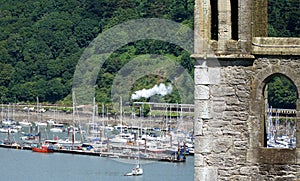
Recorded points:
(99,154)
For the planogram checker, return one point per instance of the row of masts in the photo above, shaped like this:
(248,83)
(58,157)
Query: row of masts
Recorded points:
(280,130)
(95,108)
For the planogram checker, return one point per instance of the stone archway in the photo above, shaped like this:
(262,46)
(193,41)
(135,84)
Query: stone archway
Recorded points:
(262,76)
(264,70)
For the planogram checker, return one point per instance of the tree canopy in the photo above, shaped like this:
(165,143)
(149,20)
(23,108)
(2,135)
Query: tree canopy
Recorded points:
(282,93)
(284,18)
(42,41)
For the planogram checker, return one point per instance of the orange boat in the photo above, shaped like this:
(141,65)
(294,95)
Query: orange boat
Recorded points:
(43,149)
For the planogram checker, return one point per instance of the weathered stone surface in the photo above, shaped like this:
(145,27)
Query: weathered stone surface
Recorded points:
(203,109)
(276,46)
(240,178)
(214,144)
(198,127)
(207,76)
(218,106)
(229,94)
(206,173)
(298,156)
(232,130)
(202,92)
(218,123)
(248,170)
(240,144)
(222,91)
(201,76)
(214,74)
(199,160)
(271,156)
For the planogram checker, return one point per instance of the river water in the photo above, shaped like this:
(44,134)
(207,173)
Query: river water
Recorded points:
(27,165)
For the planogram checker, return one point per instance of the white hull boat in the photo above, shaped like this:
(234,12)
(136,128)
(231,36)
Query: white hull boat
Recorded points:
(56,130)
(25,123)
(41,124)
(136,171)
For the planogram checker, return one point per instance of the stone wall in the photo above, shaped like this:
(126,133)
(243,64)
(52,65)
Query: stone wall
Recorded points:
(229,120)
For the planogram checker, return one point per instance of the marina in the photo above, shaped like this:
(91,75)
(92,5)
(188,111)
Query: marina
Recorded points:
(124,138)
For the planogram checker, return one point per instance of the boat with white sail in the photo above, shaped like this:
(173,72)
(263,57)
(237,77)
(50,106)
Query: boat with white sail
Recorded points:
(137,170)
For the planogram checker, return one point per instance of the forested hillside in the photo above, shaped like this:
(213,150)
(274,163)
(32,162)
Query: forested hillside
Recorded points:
(41,42)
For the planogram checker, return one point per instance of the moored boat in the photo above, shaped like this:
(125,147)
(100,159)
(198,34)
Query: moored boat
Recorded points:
(41,124)
(43,149)
(57,128)
(25,123)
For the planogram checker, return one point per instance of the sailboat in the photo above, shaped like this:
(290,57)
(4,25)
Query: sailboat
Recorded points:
(137,170)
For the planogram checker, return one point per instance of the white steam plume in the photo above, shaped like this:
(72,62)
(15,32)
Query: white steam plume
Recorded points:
(161,89)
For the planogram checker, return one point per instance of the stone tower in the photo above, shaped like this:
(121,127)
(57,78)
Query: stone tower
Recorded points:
(234,61)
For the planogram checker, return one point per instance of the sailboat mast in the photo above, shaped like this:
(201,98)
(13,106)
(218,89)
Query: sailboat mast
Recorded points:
(102,111)
(121,118)
(8,111)
(73,119)
(138,154)
(2,111)
(37,108)
(94,111)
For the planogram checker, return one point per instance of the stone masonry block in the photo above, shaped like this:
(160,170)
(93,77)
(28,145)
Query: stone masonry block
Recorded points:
(198,127)
(214,75)
(249,170)
(206,174)
(207,75)
(202,92)
(201,76)
(209,144)
(298,157)
(199,160)
(222,91)
(202,109)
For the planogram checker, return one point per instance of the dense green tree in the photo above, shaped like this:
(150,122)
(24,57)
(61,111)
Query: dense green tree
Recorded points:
(6,72)
(284,18)
(22,73)
(56,90)
(3,94)
(282,93)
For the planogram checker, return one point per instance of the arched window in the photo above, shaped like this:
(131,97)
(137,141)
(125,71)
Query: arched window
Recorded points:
(280,112)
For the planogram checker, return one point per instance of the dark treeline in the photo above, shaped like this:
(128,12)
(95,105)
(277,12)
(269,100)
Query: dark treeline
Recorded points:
(42,41)
(284,18)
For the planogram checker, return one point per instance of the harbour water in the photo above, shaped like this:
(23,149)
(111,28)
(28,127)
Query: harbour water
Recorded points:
(27,165)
